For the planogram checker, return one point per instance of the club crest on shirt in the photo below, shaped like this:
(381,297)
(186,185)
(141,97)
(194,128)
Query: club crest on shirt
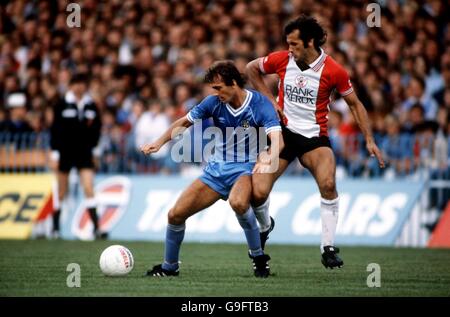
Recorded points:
(245,124)
(301,81)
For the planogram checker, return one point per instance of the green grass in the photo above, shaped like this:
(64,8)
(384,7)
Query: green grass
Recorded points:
(38,268)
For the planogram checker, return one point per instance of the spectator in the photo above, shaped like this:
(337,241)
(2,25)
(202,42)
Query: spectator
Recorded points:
(396,148)
(416,93)
(152,48)
(155,118)
(17,122)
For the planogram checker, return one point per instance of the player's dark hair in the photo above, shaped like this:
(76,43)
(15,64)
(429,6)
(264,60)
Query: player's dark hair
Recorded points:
(419,80)
(225,71)
(309,29)
(79,78)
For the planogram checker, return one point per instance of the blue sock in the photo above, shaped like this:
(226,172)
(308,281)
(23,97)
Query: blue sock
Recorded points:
(174,237)
(251,230)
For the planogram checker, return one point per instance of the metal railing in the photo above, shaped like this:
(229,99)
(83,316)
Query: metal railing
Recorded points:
(416,156)
(24,153)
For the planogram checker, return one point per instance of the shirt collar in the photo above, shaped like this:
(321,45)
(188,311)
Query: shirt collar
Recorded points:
(317,64)
(70,98)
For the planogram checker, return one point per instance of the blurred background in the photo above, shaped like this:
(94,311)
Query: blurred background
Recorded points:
(146,60)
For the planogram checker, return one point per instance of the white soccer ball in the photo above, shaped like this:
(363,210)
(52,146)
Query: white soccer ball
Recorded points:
(116,260)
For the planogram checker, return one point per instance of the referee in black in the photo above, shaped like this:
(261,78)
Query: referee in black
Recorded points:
(75,133)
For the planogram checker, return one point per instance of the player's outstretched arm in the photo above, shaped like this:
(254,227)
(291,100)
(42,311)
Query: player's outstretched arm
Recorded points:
(362,119)
(255,77)
(166,137)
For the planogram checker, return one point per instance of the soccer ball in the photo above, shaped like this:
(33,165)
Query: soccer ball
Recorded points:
(116,260)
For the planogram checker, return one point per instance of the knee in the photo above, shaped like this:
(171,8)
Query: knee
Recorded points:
(328,188)
(62,193)
(239,206)
(174,217)
(89,191)
(259,196)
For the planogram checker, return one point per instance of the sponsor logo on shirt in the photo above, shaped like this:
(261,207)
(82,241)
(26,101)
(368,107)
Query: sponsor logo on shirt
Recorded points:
(300,95)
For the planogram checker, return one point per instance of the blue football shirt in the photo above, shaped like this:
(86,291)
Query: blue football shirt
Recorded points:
(238,133)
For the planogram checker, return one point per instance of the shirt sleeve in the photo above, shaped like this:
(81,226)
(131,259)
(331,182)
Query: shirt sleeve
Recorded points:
(343,84)
(56,127)
(267,117)
(203,110)
(96,127)
(271,63)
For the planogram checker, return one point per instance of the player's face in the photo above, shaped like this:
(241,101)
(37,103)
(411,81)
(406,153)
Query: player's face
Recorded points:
(79,89)
(224,92)
(296,45)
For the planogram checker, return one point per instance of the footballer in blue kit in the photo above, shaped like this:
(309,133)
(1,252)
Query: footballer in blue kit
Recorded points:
(242,119)
(236,152)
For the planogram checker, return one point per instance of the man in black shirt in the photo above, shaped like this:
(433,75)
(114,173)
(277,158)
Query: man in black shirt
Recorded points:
(74,135)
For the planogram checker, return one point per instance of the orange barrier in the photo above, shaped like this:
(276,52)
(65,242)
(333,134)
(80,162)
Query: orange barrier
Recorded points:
(15,159)
(441,235)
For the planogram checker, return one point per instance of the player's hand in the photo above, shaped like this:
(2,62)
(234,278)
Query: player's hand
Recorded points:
(264,158)
(96,157)
(373,150)
(263,163)
(262,168)
(53,161)
(150,148)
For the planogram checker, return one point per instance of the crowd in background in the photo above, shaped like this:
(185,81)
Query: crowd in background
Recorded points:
(146,60)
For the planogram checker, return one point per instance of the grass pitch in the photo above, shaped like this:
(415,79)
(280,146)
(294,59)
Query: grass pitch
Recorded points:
(38,268)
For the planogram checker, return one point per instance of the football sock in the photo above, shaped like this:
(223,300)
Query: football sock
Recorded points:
(248,223)
(262,215)
(94,218)
(91,206)
(174,237)
(329,210)
(56,215)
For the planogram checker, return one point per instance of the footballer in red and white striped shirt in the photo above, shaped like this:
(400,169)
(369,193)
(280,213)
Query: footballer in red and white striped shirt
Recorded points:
(307,78)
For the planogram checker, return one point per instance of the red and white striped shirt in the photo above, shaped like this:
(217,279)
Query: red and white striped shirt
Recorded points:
(304,96)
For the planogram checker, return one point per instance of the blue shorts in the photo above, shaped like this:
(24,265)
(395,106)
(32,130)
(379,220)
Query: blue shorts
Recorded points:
(221,176)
